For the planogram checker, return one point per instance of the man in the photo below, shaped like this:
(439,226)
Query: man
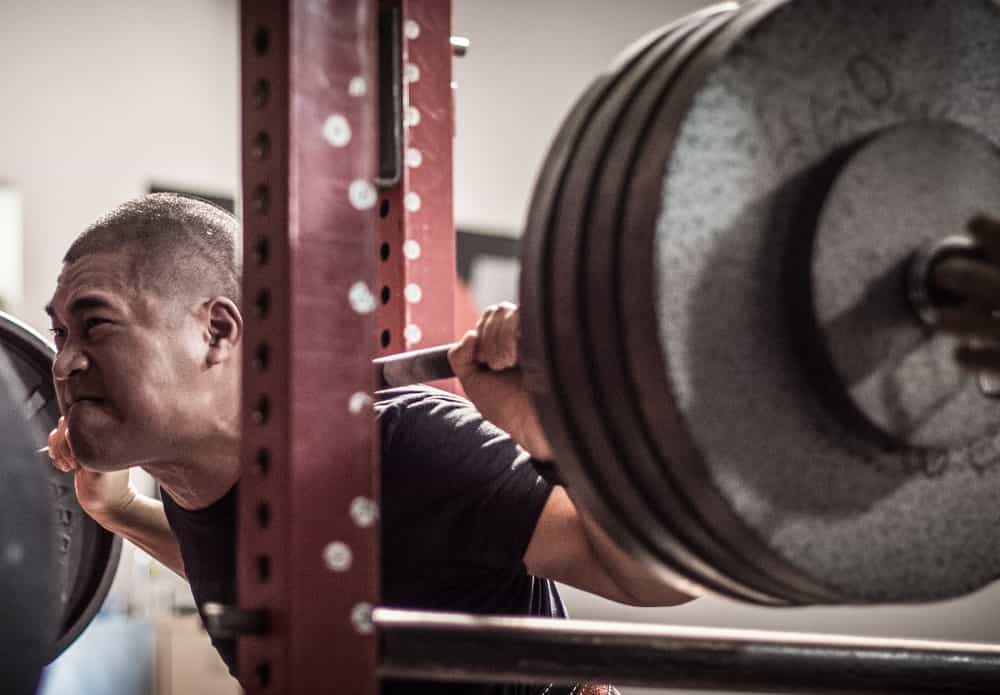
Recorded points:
(148,330)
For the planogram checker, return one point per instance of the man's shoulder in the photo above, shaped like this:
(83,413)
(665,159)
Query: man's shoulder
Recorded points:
(430,407)
(423,416)
(415,395)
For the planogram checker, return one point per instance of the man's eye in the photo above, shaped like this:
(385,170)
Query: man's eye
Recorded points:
(58,336)
(93,322)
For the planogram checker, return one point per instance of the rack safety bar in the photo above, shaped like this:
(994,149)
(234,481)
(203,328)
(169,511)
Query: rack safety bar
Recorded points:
(452,647)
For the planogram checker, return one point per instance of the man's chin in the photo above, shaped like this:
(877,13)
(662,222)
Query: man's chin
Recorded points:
(94,454)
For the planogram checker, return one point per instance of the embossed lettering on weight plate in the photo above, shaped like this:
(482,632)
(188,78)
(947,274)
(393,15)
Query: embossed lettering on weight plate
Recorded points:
(64,517)
(981,454)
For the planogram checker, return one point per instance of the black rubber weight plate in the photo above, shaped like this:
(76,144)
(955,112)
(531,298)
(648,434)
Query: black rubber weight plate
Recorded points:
(27,589)
(538,357)
(605,423)
(638,285)
(645,459)
(86,554)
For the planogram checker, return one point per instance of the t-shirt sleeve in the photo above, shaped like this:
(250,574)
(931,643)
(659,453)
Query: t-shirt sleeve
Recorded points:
(458,486)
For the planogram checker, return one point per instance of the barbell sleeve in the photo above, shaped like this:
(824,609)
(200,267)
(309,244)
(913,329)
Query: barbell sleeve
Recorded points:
(413,367)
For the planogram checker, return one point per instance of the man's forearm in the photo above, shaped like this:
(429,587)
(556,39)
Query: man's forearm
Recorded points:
(633,579)
(144,523)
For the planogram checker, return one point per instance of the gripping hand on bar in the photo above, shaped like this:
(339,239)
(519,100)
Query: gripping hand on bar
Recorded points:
(486,362)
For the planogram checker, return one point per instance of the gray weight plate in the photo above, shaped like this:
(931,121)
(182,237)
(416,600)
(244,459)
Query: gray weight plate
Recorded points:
(808,80)
(86,554)
(887,200)
(27,587)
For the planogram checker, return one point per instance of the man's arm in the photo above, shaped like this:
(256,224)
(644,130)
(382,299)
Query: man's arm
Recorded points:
(145,524)
(566,546)
(569,547)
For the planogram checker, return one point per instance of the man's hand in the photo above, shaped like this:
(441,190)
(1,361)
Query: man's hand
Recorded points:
(485,361)
(976,281)
(104,496)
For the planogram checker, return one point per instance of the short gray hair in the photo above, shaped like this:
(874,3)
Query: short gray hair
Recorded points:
(176,245)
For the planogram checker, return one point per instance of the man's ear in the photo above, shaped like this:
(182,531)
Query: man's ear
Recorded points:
(225,329)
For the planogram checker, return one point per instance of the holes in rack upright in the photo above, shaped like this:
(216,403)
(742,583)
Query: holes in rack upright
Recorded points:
(262,411)
(263,568)
(262,674)
(263,461)
(261,40)
(261,93)
(262,305)
(384,250)
(262,251)
(263,515)
(386,338)
(386,295)
(261,147)
(262,356)
(261,198)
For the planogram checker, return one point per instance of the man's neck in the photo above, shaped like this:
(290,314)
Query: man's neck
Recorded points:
(200,480)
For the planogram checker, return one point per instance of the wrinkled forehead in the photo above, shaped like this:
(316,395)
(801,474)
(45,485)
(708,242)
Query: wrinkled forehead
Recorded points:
(106,274)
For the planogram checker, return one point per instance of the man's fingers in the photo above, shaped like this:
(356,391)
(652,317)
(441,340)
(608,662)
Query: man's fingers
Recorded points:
(485,329)
(59,448)
(53,452)
(971,279)
(498,337)
(462,356)
(509,331)
(985,229)
(497,331)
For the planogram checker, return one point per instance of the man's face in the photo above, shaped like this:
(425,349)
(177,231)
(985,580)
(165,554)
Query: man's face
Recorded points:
(128,365)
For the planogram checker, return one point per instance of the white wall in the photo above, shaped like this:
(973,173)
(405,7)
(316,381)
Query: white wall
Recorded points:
(102,96)
(528,63)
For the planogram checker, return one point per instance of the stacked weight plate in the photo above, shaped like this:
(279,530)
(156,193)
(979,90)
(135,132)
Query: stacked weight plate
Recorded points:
(86,555)
(27,591)
(656,325)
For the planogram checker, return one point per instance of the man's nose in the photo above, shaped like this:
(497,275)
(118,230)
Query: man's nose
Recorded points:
(68,361)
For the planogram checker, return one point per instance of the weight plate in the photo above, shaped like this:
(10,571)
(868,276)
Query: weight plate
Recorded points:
(603,417)
(27,588)
(87,555)
(537,349)
(642,452)
(778,98)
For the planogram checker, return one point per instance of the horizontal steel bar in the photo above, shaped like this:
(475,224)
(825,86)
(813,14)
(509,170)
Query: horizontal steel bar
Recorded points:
(441,646)
(413,367)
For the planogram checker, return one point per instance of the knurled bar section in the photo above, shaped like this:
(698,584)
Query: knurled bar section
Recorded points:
(416,226)
(311,559)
